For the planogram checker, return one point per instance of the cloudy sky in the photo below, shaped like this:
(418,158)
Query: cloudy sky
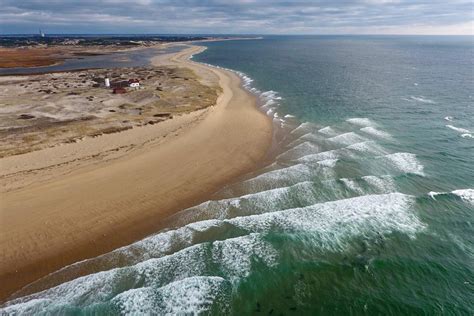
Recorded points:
(238,16)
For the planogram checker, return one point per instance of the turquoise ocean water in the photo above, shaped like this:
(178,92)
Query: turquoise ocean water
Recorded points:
(367,207)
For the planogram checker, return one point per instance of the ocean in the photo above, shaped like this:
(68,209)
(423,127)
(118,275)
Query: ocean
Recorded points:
(365,207)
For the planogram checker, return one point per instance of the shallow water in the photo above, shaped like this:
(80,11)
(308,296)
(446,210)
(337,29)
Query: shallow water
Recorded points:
(366,209)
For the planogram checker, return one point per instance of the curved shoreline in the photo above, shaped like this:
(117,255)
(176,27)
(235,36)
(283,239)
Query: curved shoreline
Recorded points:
(94,209)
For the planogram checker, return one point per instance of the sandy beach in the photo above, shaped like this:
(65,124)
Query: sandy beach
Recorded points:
(70,202)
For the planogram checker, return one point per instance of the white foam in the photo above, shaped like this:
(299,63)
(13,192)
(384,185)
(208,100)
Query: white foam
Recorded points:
(466,194)
(233,257)
(433,194)
(298,151)
(173,281)
(328,130)
(448,118)
(331,163)
(466,135)
(347,138)
(269,94)
(269,98)
(348,152)
(330,154)
(334,223)
(376,132)
(422,99)
(191,296)
(367,147)
(297,141)
(254,203)
(280,178)
(405,162)
(382,184)
(298,170)
(352,185)
(458,129)
(304,128)
(312,137)
(361,121)
(390,201)
(375,184)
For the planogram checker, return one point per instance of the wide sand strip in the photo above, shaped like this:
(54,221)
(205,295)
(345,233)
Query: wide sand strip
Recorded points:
(75,211)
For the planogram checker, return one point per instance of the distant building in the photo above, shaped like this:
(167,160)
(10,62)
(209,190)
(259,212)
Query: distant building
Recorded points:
(119,90)
(133,83)
(71,42)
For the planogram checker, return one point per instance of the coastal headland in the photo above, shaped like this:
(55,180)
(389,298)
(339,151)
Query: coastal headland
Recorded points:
(66,201)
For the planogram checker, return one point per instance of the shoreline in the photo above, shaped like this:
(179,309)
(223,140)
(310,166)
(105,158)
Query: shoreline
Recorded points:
(86,210)
(73,55)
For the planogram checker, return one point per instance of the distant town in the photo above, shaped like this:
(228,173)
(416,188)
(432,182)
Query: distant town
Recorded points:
(42,39)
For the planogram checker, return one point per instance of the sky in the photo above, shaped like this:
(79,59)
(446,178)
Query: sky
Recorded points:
(238,16)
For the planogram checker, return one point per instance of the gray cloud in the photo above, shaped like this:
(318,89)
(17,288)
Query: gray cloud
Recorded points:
(238,16)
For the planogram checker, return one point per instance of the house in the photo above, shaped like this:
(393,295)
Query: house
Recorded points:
(119,90)
(133,83)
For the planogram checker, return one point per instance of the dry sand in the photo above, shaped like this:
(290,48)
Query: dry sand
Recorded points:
(67,203)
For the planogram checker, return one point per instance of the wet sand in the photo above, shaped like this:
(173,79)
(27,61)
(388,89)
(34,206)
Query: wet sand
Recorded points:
(68,203)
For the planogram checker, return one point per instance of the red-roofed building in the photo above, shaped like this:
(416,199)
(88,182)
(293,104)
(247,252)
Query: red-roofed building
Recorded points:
(133,83)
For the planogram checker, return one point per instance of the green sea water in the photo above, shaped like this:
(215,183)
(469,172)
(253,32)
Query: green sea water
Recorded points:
(366,207)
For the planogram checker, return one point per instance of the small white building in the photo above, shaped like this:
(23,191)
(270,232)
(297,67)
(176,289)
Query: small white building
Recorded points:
(134,83)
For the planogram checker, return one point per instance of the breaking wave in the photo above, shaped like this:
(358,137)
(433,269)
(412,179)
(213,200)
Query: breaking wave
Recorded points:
(466,195)
(465,133)
(458,129)
(182,278)
(421,99)
(375,132)
(327,187)
(361,121)
(405,162)
(196,267)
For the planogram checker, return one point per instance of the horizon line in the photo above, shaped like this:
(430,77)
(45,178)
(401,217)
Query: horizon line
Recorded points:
(240,34)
